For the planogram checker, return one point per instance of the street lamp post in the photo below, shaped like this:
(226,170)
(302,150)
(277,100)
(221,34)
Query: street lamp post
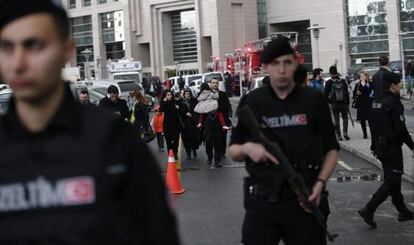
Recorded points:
(316,30)
(400,35)
(177,67)
(87,53)
(341,46)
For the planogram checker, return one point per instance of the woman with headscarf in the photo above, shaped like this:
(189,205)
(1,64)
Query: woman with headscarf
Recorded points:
(172,122)
(190,133)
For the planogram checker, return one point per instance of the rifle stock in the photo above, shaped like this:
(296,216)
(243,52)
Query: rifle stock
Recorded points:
(296,182)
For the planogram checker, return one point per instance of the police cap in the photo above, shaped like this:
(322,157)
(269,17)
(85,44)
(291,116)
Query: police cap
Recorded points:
(14,9)
(276,48)
(390,77)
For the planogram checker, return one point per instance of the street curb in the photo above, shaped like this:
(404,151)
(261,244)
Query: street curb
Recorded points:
(371,159)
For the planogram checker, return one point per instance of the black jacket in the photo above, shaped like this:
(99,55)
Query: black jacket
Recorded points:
(363,101)
(172,121)
(113,107)
(378,82)
(224,107)
(86,179)
(389,121)
(329,95)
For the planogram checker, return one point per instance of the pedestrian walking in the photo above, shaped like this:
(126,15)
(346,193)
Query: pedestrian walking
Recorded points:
(362,101)
(377,78)
(172,121)
(298,119)
(337,94)
(157,123)
(139,113)
(317,81)
(409,72)
(211,121)
(115,105)
(389,133)
(84,99)
(69,174)
(224,107)
(190,133)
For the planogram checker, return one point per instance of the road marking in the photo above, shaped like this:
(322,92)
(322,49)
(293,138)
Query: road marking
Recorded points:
(344,165)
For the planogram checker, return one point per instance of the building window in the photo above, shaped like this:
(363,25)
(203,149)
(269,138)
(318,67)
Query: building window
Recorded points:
(86,3)
(407,26)
(72,4)
(101,1)
(113,34)
(367,30)
(82,33)
(184,36)
(262,18)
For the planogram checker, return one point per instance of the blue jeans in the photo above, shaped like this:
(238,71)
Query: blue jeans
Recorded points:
(410,83)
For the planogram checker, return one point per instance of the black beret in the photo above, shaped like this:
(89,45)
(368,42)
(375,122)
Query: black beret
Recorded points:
(112,89)
(276,48)
(11,10)
(390,77)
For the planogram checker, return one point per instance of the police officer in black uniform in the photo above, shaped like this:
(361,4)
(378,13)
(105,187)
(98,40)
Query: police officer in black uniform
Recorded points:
(298,118)
(389,134)
(68,174)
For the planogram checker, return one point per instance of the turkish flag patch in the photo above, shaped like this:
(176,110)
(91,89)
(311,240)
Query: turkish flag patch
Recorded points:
(79,191)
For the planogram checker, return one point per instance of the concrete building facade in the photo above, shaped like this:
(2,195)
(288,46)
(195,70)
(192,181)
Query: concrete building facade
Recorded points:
(162,34)
(355,31)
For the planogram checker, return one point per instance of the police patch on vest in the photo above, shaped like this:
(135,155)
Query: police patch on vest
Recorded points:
(285,121)
(42,193)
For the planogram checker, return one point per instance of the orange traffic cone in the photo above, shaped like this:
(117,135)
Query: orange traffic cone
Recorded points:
(173,182)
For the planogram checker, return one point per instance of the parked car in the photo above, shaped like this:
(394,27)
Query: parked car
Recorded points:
(215,75)
(187,80)
(194,86)
(256,83)
(396,66)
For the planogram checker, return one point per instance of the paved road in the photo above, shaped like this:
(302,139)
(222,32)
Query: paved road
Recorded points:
(210,212)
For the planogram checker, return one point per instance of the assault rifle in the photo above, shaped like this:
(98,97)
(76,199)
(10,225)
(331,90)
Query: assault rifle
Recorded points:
(295,180)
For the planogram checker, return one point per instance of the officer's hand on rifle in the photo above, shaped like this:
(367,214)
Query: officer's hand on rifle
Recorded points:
(315,197)
(258,153)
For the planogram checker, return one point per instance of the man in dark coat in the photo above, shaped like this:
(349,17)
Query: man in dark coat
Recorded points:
(377,78)
(224,107)
(114,104)
(69,174)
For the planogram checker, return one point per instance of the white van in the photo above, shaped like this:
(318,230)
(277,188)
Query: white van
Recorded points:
(215,75)
(187,80)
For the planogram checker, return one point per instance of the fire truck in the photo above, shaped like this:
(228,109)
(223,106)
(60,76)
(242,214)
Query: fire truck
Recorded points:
(246,61)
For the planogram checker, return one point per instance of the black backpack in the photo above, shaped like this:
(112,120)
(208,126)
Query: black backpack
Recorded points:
(338,91)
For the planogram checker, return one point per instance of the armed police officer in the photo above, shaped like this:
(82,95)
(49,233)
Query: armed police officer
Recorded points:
(68,174)
(389,134)
(298,119)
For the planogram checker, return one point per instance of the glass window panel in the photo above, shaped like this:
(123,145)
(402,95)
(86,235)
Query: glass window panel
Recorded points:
(86,3)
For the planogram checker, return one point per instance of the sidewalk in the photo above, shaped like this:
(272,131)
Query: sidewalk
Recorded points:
(361,148)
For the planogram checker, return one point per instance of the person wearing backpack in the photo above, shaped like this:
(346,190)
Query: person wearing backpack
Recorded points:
(337,94)
(317,80)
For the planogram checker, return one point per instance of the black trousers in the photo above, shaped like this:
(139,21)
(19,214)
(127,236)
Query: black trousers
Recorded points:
(393,168)
(344,115)
(269,223)
(172,140)
(213,137)
(160,140)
